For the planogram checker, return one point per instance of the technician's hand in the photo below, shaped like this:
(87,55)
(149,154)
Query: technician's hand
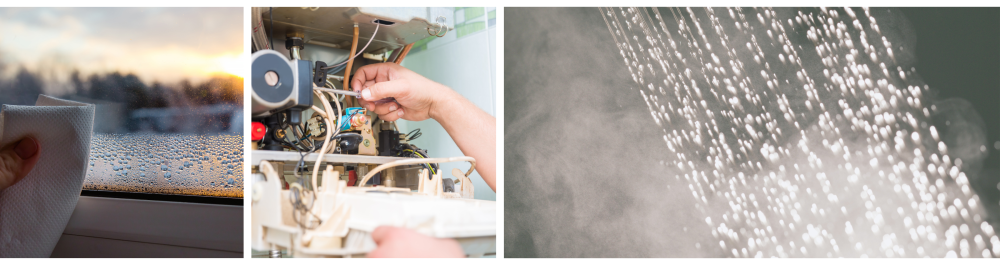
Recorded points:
(417,96)
(17,160)
(395,242)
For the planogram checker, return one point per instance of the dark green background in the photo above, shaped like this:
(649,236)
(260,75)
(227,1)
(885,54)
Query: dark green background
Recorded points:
(958,55)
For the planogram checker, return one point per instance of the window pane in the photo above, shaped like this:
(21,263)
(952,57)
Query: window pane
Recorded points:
(165,81)
(193,164)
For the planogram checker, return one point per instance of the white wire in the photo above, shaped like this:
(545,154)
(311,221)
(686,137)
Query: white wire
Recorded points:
(359,51)
(336,113)
(417,161)
(329,134)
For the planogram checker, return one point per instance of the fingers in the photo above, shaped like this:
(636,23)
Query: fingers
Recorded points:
(373,72)
(392,116)
(362,101)
(395,242)
(388,111)
(384,108)
(382,236)
(17,160)
(387,89)
(381,233)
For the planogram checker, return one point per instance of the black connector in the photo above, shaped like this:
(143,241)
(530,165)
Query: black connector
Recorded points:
(319,75)
(294,116)
(388,143)
(271,141)
(348,142)
(295,41)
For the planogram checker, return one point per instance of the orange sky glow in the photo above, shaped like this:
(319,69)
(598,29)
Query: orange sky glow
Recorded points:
(164,45)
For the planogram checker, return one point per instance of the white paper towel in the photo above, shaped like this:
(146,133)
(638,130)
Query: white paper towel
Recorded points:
(35,210)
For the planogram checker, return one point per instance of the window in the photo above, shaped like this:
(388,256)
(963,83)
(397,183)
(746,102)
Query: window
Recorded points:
(165,81)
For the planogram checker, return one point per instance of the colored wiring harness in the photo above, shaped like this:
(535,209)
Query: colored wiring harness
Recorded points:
(419,155)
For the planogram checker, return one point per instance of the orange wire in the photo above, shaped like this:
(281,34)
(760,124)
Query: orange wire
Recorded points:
(402,54)
(350,61)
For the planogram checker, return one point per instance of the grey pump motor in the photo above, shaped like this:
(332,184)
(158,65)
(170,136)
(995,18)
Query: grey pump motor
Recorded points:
(279,84)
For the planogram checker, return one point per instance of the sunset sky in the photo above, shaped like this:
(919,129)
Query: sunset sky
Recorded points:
(156,44)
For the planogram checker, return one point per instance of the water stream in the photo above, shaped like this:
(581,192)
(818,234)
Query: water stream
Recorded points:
(807,132)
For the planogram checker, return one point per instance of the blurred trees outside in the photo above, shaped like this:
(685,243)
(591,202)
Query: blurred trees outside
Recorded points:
(130,93)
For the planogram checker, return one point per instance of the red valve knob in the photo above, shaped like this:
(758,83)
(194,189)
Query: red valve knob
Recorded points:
(257,131)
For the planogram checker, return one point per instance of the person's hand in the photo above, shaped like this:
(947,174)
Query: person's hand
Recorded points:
(17,160)
(419,98)
(395,242)
(416,95)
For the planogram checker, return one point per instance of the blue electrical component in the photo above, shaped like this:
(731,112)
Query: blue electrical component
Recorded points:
(345,121)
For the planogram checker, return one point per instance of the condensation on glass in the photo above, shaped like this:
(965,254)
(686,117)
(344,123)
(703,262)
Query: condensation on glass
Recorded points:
(188,164)
(806,132)
(180,141)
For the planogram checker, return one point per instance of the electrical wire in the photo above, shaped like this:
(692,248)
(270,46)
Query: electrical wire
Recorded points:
(284,140)
(301,135)
(295,194)
(418,161)
(330,133)
(419,155)
(296,190)
(343,65)
(337,110)
(295,136)
(415,134)
(302,210)
(326,142)
(359,51)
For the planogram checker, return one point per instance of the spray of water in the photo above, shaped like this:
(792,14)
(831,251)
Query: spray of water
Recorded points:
(807,132)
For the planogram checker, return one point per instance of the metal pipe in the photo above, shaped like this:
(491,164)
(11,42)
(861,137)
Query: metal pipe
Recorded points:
(324,44)
(395,54)
(402,55)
